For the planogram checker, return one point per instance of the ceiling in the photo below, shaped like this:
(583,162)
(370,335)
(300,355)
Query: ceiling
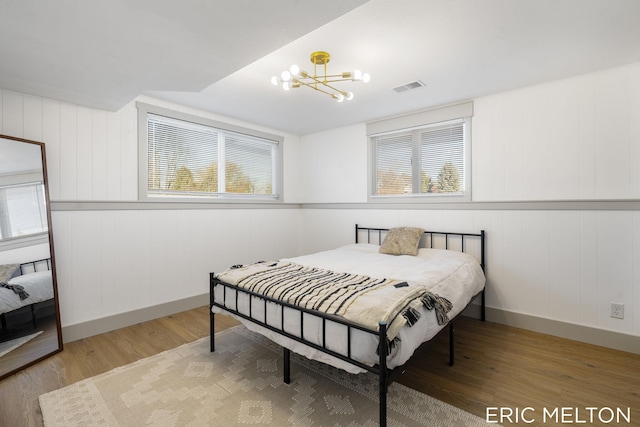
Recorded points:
(219,55)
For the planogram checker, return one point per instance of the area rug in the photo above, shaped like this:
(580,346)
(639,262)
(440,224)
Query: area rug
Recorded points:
(7,346)
(238,384)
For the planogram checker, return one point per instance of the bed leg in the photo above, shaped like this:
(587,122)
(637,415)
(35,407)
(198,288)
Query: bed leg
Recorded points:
(33,315)
(212,330)
(382,352)
(483,316)
(451,344)
(286,359)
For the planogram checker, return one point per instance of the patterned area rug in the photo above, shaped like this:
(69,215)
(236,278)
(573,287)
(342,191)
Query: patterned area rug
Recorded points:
(239,384)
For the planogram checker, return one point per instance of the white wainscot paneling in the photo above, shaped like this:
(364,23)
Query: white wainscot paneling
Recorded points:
(99,155)
(511,288)
(68,152)
(587,136)
(482,149)
(615,267)
(84,152)
(570,139)
(564,143)
(85,281)
(112,262)
(564,266)
(51,138)
(509,130)
(589,268)
(335,165)
(613,167)
(634,131)
(535,263)
(91,154)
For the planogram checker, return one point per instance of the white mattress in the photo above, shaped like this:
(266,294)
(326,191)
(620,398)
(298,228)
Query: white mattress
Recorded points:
(450,274)
(38,285)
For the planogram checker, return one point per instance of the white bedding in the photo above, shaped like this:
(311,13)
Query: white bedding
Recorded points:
(38,285)
(450,274)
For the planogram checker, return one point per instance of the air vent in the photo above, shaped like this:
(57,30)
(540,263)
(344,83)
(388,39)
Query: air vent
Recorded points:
(409,86)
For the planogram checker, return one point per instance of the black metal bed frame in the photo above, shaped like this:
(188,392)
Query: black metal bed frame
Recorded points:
(386,375)
(25,268)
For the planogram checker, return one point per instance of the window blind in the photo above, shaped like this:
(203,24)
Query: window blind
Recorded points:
(23,210)
(190,159)
(393,164)
(442,159)
(429,160)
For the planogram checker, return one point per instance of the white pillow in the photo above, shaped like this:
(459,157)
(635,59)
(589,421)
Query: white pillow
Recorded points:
(402,241)
(7,271)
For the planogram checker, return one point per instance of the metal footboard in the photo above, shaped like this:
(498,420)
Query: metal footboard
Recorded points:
(385,374)
(381,369)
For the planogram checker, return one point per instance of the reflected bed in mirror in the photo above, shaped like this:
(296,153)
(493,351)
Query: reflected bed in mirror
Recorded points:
(29,314)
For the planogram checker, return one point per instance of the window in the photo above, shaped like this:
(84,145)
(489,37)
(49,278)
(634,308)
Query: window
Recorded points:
(188,157)
(424,161)
(23,210)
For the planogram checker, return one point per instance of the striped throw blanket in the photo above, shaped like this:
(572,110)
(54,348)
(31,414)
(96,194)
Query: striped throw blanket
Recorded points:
(357,298)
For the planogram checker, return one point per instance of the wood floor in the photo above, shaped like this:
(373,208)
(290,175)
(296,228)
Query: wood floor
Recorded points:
(496,367)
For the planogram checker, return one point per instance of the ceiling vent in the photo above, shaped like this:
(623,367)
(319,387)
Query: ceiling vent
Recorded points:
(409,86)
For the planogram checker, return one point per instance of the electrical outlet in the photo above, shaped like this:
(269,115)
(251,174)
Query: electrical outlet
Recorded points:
(617,310)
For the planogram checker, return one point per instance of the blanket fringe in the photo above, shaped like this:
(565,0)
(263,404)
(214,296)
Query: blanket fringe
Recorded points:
(18,289)
(391,345)
(412,315)
(440,304)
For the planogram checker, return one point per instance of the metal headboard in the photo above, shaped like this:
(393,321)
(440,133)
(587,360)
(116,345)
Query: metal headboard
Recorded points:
(377,234)
(35,266)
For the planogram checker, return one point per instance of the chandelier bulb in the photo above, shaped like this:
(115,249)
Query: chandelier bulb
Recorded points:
(294,77)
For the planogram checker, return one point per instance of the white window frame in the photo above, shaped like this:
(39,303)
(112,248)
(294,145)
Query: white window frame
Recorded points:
(144,110)
(416,122)
(37,188)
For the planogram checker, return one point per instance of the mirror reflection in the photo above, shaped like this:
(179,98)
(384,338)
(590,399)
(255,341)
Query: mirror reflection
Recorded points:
(29,317)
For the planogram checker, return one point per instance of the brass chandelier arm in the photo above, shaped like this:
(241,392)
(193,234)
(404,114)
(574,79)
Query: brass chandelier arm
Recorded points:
(314,86)
(323,82)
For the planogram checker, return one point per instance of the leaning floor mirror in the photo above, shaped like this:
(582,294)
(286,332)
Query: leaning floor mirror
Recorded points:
(29,314)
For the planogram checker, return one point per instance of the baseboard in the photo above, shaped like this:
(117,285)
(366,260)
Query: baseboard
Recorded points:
(105,324)
(586,334)
(610,339)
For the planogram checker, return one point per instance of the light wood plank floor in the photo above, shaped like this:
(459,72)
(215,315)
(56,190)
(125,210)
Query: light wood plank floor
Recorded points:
(496,366)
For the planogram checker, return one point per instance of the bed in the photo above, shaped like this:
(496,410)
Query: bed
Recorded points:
(25,285)
(326,306)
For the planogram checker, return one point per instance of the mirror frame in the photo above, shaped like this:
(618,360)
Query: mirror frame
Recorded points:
(51,253)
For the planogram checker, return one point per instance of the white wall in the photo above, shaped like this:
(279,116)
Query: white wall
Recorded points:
(563,140)
(576,139)
(116,261)
(23,254)
(335,167)
(112,262)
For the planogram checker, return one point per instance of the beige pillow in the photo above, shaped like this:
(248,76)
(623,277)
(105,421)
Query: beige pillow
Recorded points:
(7,270)
(401,241)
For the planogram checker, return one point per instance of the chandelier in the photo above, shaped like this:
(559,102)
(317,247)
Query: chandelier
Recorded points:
(323,82)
